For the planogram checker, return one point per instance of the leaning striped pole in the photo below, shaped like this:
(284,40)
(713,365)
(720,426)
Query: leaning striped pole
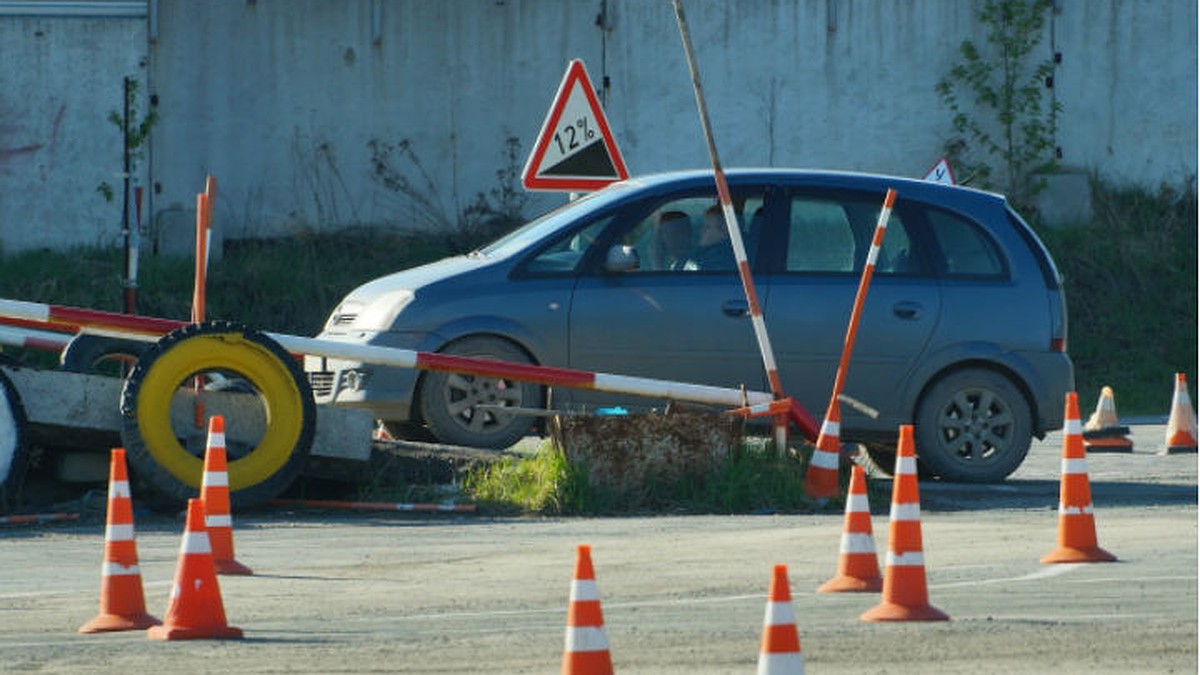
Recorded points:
(821,479)
(735,235)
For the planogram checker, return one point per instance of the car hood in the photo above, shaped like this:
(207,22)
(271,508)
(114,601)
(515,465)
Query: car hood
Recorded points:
(417,277)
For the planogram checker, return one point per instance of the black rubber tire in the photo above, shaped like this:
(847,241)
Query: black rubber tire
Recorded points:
(85,353)
(972,426)
(14,455)
(160,462)
(446,400)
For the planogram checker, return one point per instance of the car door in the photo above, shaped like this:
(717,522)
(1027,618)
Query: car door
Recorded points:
(820,246)
(682,314)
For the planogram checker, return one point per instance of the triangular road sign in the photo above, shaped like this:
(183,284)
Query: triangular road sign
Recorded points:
(575,150)
(941,173)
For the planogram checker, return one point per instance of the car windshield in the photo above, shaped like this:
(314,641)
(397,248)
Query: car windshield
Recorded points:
(538,228)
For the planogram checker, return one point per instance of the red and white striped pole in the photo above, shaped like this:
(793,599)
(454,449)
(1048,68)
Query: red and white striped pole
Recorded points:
(735,235)
(821,480)
(139,327)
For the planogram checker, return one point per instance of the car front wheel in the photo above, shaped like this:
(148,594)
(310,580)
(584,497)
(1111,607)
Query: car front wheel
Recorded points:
(974,426)
(470,409)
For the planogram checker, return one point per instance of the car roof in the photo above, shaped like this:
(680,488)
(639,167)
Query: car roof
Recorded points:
(907,187)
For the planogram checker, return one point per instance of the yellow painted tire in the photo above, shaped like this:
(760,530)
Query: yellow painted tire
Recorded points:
(161,461)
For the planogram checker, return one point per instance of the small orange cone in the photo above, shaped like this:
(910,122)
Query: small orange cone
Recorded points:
(858,566)
(1076,524)
(122,603)
(1181,426)
(905,594)
(196,610)
(821,479)
(214,492)
(780,653)
(586,650)
(1103,432)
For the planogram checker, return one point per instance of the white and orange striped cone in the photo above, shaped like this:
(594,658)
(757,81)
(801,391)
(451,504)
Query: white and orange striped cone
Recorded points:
(214,493)
(1076,523)
(821,478)
(1103,431)
(196,611)
(586,649)
(780,653)
(1181,426)
(858,566)
(905,594)
(122,602)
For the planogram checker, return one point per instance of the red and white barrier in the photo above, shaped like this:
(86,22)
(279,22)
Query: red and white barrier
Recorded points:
(141,327)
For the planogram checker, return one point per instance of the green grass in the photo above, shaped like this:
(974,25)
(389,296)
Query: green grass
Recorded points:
(547,483)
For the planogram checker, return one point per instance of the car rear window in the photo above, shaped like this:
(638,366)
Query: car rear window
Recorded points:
(966,250)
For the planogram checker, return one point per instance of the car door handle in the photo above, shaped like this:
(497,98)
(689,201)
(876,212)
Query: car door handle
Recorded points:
(735,308)
(909,311)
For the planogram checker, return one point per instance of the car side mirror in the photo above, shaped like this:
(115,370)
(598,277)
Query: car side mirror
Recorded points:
(621,259)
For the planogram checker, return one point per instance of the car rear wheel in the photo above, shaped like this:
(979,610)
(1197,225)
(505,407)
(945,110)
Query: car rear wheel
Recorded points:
(469,409)
(974,426)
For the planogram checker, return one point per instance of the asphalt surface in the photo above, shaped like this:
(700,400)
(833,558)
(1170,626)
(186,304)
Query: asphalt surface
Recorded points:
(349,593)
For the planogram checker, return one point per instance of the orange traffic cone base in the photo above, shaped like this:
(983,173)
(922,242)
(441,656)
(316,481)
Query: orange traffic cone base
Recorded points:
(1179,450)
(1067,554)
(106,623)
(1108,445)
(232,568)
(195,633)
(848,584)
(890,611)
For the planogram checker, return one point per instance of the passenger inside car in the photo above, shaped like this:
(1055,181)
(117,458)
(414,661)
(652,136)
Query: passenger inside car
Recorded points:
(713,252)
(673,240)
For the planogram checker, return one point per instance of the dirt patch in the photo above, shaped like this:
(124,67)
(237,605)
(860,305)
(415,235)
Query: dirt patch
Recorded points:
(629,454)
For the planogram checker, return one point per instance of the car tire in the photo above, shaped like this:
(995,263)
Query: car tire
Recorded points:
(87,353)
(974,426)
(448,401)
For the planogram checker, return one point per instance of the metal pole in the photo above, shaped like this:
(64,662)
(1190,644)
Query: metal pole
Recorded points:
(130,283)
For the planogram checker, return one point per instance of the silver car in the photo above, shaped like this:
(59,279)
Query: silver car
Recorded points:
(963,334)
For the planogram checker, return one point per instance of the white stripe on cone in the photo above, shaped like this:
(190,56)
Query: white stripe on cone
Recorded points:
(906,511)
(586,639)
(113,569)
(118,532)
(584,589)
(779,614)
(910,559)
(823,459)
(854,542)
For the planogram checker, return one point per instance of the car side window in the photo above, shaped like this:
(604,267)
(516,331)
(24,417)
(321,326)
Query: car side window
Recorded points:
(833,234)
(689,234)
(564,255)
(967,252)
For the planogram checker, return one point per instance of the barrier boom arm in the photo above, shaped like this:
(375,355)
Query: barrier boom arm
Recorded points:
(138,327)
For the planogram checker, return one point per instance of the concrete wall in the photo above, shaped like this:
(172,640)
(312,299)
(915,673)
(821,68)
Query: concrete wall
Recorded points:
(280,99)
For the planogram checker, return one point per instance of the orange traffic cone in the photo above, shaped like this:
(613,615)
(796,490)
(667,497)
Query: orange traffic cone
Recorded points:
(821,479)
(1076,525)
(122,603)
(1103,432)
(905,595)
(214,492)
(196,610)
(858,567)
(1181,427)
(780,653)
(586,650)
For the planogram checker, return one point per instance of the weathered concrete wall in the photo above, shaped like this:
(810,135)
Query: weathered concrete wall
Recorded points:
(59,80)
(281,99)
